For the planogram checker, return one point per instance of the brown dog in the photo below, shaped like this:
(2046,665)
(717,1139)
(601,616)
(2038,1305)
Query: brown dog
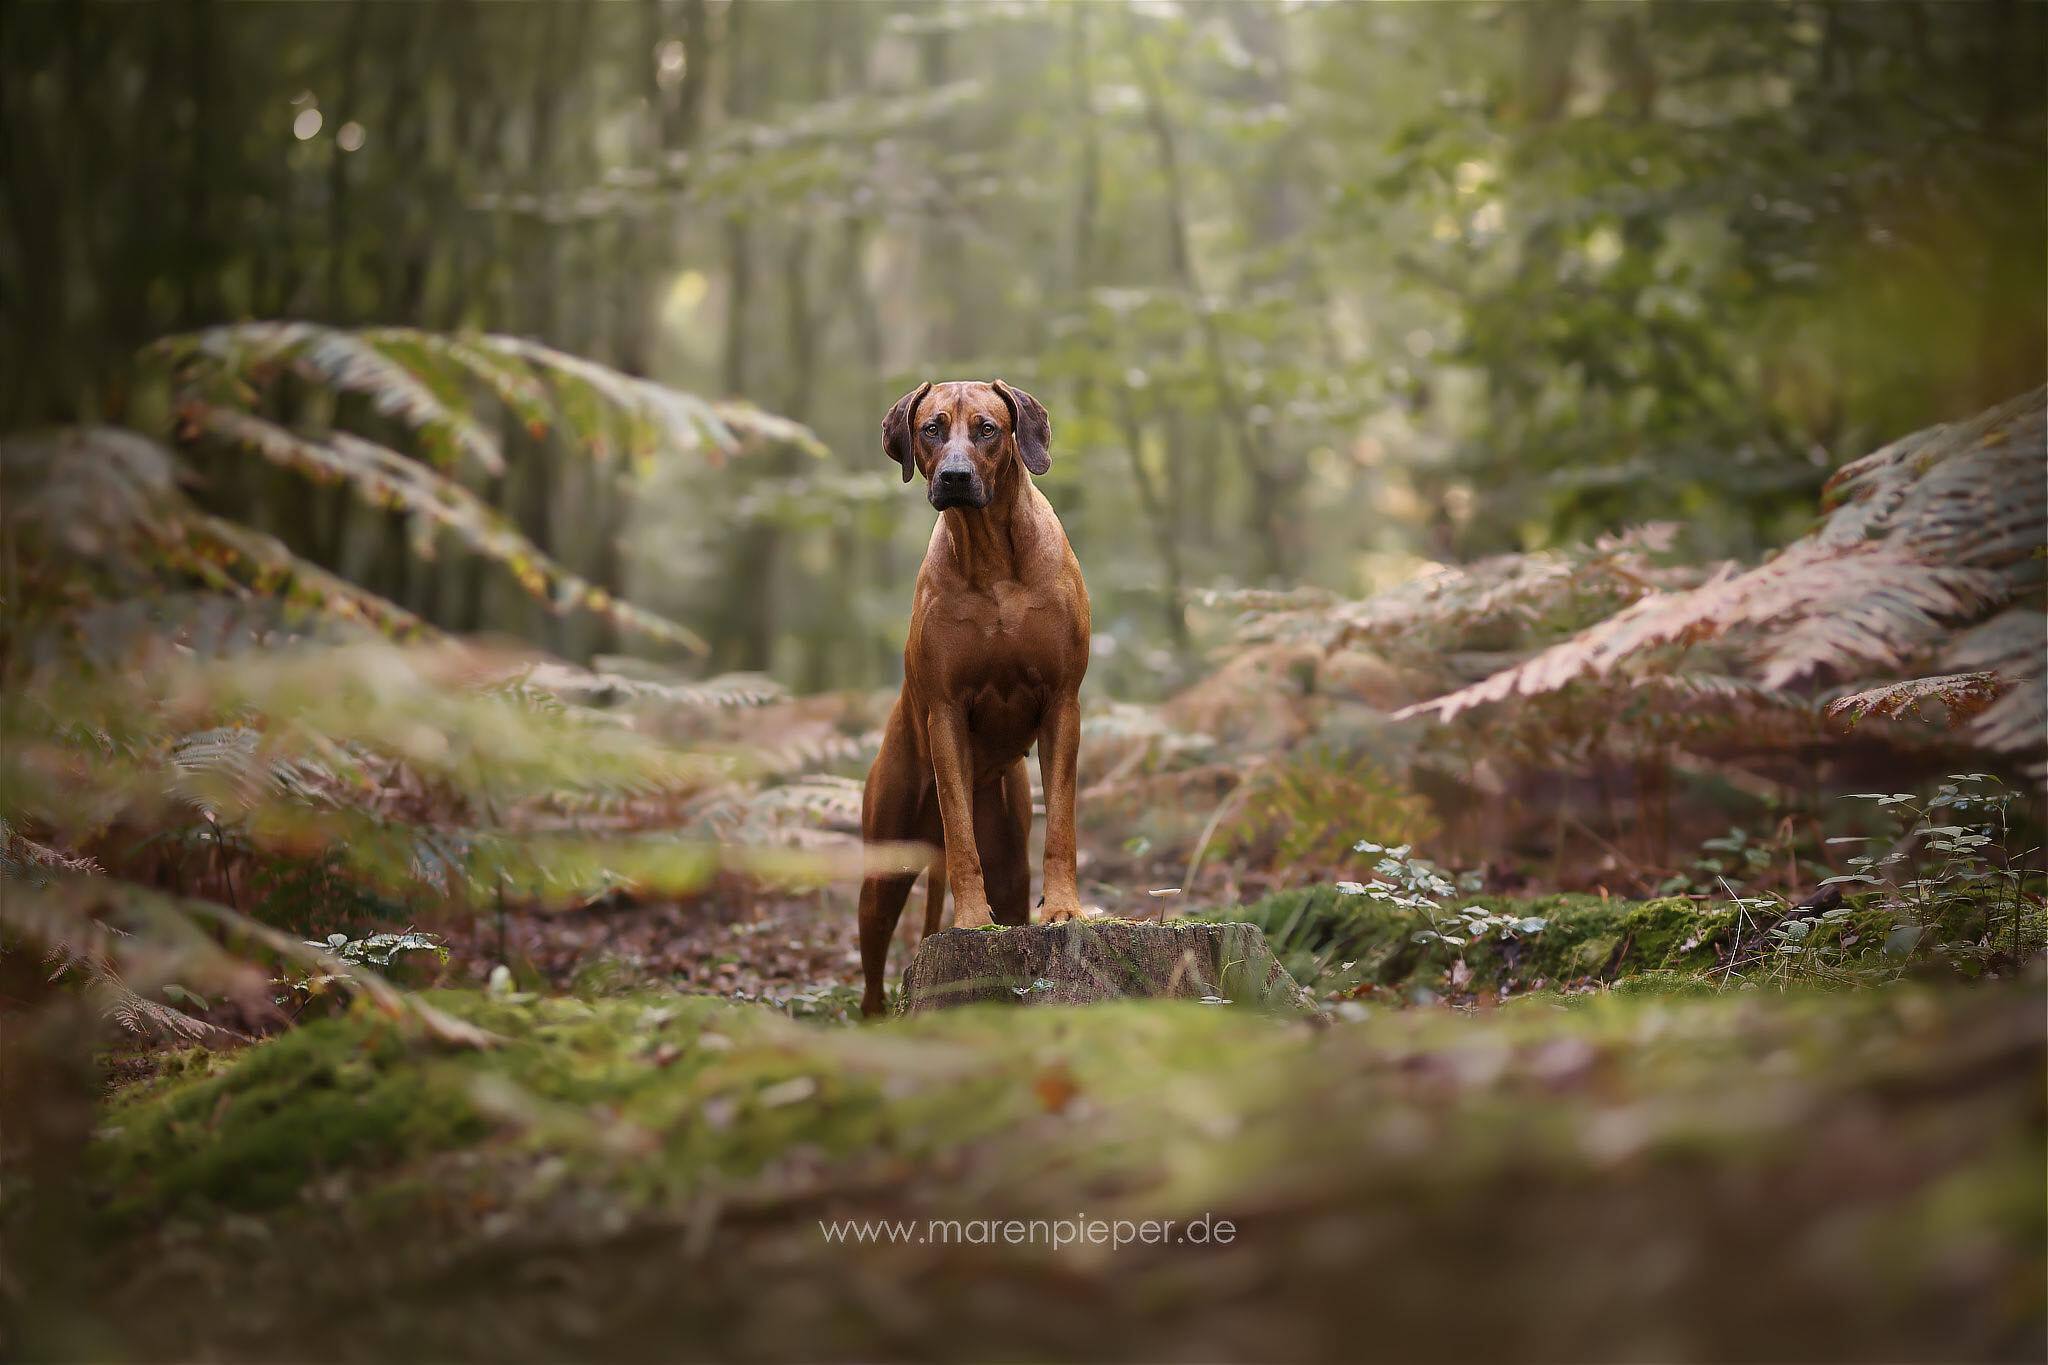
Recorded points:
(998,644)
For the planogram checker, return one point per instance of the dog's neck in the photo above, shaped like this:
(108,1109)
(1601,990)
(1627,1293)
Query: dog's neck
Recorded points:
(990,543)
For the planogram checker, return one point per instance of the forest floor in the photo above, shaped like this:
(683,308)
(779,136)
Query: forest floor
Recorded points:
(1683,1168)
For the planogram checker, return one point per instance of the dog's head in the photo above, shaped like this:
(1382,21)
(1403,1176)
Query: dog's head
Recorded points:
(963,436)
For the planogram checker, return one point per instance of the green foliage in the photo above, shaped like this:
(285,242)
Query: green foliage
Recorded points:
(432,386)
(1946,893)
(379,950)
(1950,880)
(183,689)
(1728,862)
(1300,816)
(1342,941)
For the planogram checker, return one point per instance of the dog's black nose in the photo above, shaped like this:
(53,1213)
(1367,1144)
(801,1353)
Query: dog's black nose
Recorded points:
(954,480)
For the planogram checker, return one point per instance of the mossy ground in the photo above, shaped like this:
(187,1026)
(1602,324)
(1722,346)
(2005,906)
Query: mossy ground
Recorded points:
(645,1175)
(1341,944)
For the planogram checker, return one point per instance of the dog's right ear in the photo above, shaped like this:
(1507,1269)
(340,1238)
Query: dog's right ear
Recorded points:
(898,426)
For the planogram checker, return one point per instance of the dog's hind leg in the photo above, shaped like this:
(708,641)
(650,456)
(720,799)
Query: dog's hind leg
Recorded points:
(1002,831)
(894,808)
(881,904)
(935,894)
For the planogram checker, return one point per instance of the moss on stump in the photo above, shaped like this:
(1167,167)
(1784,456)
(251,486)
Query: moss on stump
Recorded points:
(1084,962)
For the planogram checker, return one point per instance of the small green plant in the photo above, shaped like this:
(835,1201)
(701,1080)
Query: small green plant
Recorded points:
(1950,867)
(1729,861)
(370,950)
(1419,886)
(1943,882)
(1736,862)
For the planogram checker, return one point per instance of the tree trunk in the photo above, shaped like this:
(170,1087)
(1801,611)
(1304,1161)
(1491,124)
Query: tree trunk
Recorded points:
(1088,961)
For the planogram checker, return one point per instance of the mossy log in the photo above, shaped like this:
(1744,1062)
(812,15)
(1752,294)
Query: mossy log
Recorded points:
(1084,962)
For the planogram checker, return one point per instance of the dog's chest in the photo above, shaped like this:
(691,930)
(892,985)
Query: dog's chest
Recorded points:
(1006,673)
(1005,627)
(1009,612)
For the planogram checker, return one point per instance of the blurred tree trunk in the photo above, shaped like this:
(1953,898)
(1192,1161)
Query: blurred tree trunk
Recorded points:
(1270,535)
(338,220)
(866,315)
(1160,511)
(2010,346)
(744,637)
(1159,519)
(1550,39)
(198,291)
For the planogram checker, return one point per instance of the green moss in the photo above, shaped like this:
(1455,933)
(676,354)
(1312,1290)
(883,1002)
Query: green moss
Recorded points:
(1515,1143)
(692,1082)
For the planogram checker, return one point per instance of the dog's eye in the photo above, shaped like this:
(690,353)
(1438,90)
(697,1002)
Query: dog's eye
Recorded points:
(931,428)
(988,429)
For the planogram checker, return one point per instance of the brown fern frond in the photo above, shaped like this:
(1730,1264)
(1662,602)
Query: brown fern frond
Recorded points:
(1962,696)
(829,800)
(84,492)
(812,751)
(1927,535)
(147,1018)
(1452,606)
(19,854)
(2010,645)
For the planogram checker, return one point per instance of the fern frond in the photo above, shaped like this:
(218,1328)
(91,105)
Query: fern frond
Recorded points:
(24,859)
(829,800)
(437,356)
(220,768)
(332,358)
(756,427)
(812,751)
(418,378)
(147,1018)
(657,415)
(1698,685)
(84,492)
(230,557)
(1448,606)
(173,936)
(2010,646)
(1929,533)
(1962,696)
(601,685)
(386,479)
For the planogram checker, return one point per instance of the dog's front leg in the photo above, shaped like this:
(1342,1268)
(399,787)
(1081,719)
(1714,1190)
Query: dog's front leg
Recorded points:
(953,776)
(1059,755)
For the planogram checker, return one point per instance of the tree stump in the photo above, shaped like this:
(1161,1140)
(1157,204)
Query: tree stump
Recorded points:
(1082,962)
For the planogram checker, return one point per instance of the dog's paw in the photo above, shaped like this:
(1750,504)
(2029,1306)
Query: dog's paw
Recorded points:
(1059,913)
(973,917)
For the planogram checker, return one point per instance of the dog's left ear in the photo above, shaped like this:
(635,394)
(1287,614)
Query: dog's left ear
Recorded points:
(896,429)
(1032,426)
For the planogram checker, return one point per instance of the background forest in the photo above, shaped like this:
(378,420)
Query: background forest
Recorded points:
(1316,292)
(1561,486)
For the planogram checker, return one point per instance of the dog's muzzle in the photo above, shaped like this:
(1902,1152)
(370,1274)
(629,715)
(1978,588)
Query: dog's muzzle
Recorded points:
(955,484)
